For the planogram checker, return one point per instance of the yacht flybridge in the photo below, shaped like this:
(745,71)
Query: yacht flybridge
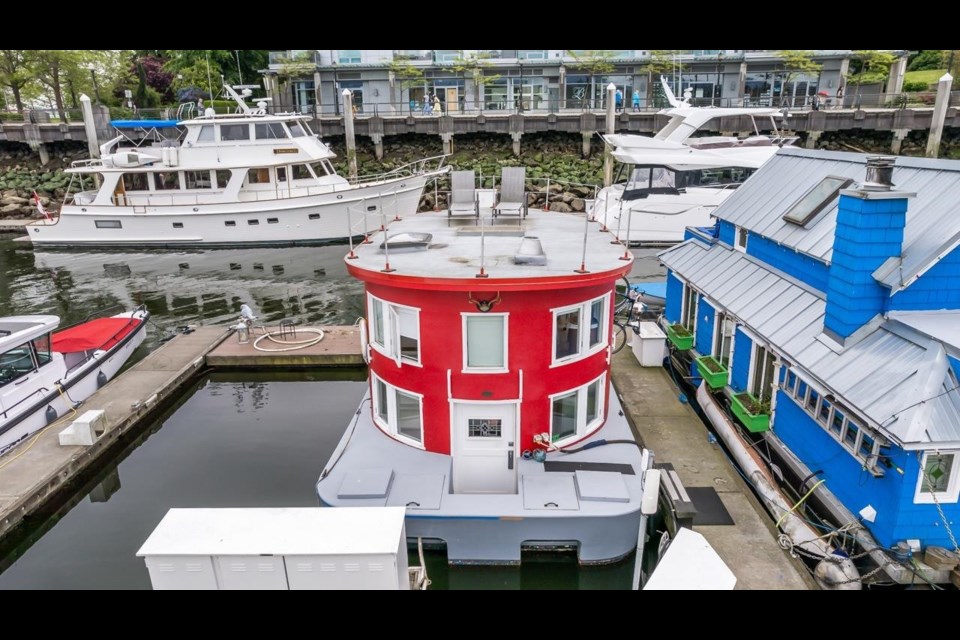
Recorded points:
(247,178)
(675,179)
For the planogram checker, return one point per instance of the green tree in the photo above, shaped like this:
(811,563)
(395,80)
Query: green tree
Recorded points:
(15,72)
(796,62)
(951,62)
(232,65)
(661,62)
(52,67)
(869,66)
(926,60)
(594,62)
(475,65)
(406,74)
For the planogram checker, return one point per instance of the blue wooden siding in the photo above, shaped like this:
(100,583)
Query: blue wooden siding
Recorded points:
(742,351)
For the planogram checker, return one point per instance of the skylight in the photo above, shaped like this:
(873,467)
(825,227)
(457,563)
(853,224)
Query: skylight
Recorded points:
(814,201)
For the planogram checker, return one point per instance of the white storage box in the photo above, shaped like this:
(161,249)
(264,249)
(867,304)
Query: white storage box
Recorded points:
(648,344)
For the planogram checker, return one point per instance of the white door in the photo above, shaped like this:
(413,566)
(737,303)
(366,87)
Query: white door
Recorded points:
(484,448)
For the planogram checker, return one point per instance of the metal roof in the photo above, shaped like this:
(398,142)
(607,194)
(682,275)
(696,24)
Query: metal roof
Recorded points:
(941,325)
(933,216)
(881,376)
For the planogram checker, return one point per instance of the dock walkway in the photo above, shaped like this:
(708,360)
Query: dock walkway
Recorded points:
(33,472)
(674,432)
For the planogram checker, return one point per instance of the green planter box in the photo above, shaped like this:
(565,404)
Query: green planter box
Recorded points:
(754,422)
(714,373)
(680,336)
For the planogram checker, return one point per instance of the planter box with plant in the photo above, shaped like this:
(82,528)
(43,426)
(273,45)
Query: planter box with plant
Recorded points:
(714,373)
(680,336)
(754,415)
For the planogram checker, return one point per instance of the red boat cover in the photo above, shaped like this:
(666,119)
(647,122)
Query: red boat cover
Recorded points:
(101,333)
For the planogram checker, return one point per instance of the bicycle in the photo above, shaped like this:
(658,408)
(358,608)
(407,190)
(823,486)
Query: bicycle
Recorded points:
(624,315)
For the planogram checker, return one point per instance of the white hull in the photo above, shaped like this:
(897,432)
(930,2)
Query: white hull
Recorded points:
(285,221)
(79,385)
(658,219)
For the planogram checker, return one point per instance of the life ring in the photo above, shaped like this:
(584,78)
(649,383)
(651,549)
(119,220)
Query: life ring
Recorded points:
(364,343)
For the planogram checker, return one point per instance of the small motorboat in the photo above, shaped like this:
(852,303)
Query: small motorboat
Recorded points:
(45,373)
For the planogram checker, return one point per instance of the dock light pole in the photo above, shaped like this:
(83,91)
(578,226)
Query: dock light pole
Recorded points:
(719,83)
(93,76)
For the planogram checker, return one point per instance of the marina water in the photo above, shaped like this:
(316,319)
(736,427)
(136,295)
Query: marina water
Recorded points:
(232,439)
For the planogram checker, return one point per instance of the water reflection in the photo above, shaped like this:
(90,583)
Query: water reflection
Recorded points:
(307,284)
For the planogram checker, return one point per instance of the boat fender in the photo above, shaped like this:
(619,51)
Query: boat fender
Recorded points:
(101,379)
(51,414)
(539,455)
(364,343)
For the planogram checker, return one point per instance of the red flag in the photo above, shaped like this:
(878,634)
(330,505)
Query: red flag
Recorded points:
(40,208)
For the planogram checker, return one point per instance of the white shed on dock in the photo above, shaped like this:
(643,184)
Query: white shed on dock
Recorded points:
(286,548)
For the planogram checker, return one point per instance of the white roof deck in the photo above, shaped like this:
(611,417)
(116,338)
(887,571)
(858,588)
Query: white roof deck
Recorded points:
(310,531)
(454,251)
(15,330)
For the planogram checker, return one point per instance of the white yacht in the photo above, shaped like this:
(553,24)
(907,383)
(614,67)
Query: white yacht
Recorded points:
(248,178)
(43,375)
(674,180)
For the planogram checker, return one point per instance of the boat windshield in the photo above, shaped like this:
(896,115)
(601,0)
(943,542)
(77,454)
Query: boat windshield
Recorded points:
(15,364)
(643,180)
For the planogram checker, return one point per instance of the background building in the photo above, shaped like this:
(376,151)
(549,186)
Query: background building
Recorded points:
(543,79)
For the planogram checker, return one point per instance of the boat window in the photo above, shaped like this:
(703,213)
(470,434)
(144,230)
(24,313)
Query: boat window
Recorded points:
(570,339)
(206,133)
(41,347)
(485,342)
(258,175)
(938,478)
(270,131)
(296,130)
(306,127)
(564,417)
(166,180)
(319,169)
(223,178)
(135,182)
(281,174)
(234,132)
(107,224)
(229,223)
(398,412)
(197,179)
(15,364)
(646,180)
(395,330)
(816,199)
(575,413)
(301,172)
(329,167)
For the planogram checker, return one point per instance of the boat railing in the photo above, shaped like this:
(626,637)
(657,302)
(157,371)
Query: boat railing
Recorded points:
(22,400)
(371,214)
(433,164)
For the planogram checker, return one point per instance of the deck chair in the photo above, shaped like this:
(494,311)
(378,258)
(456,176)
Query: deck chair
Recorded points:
(463,194)
(513,199)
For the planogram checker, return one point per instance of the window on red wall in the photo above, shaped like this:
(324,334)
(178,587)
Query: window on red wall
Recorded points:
(580,330)
(395,330)
(577,412)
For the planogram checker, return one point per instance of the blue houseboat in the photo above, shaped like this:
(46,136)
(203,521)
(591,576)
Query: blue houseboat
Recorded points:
(823,311)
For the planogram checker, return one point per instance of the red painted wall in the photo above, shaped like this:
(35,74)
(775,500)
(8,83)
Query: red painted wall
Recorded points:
(530,327)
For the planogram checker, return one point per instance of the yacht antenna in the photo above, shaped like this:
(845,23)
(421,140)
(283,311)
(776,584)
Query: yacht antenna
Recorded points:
(209,77)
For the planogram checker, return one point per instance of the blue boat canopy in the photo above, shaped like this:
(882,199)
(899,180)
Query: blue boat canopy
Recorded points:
(144,124)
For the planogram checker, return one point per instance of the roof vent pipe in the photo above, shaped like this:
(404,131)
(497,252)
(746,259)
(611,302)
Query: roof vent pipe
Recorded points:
(879,173)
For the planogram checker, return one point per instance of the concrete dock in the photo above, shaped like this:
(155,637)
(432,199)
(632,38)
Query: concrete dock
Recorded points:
(340,347)
(674,432)
(32,473)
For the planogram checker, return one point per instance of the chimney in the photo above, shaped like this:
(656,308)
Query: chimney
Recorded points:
(870,224)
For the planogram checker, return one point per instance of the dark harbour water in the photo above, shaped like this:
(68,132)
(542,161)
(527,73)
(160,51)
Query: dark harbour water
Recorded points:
(232,439)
